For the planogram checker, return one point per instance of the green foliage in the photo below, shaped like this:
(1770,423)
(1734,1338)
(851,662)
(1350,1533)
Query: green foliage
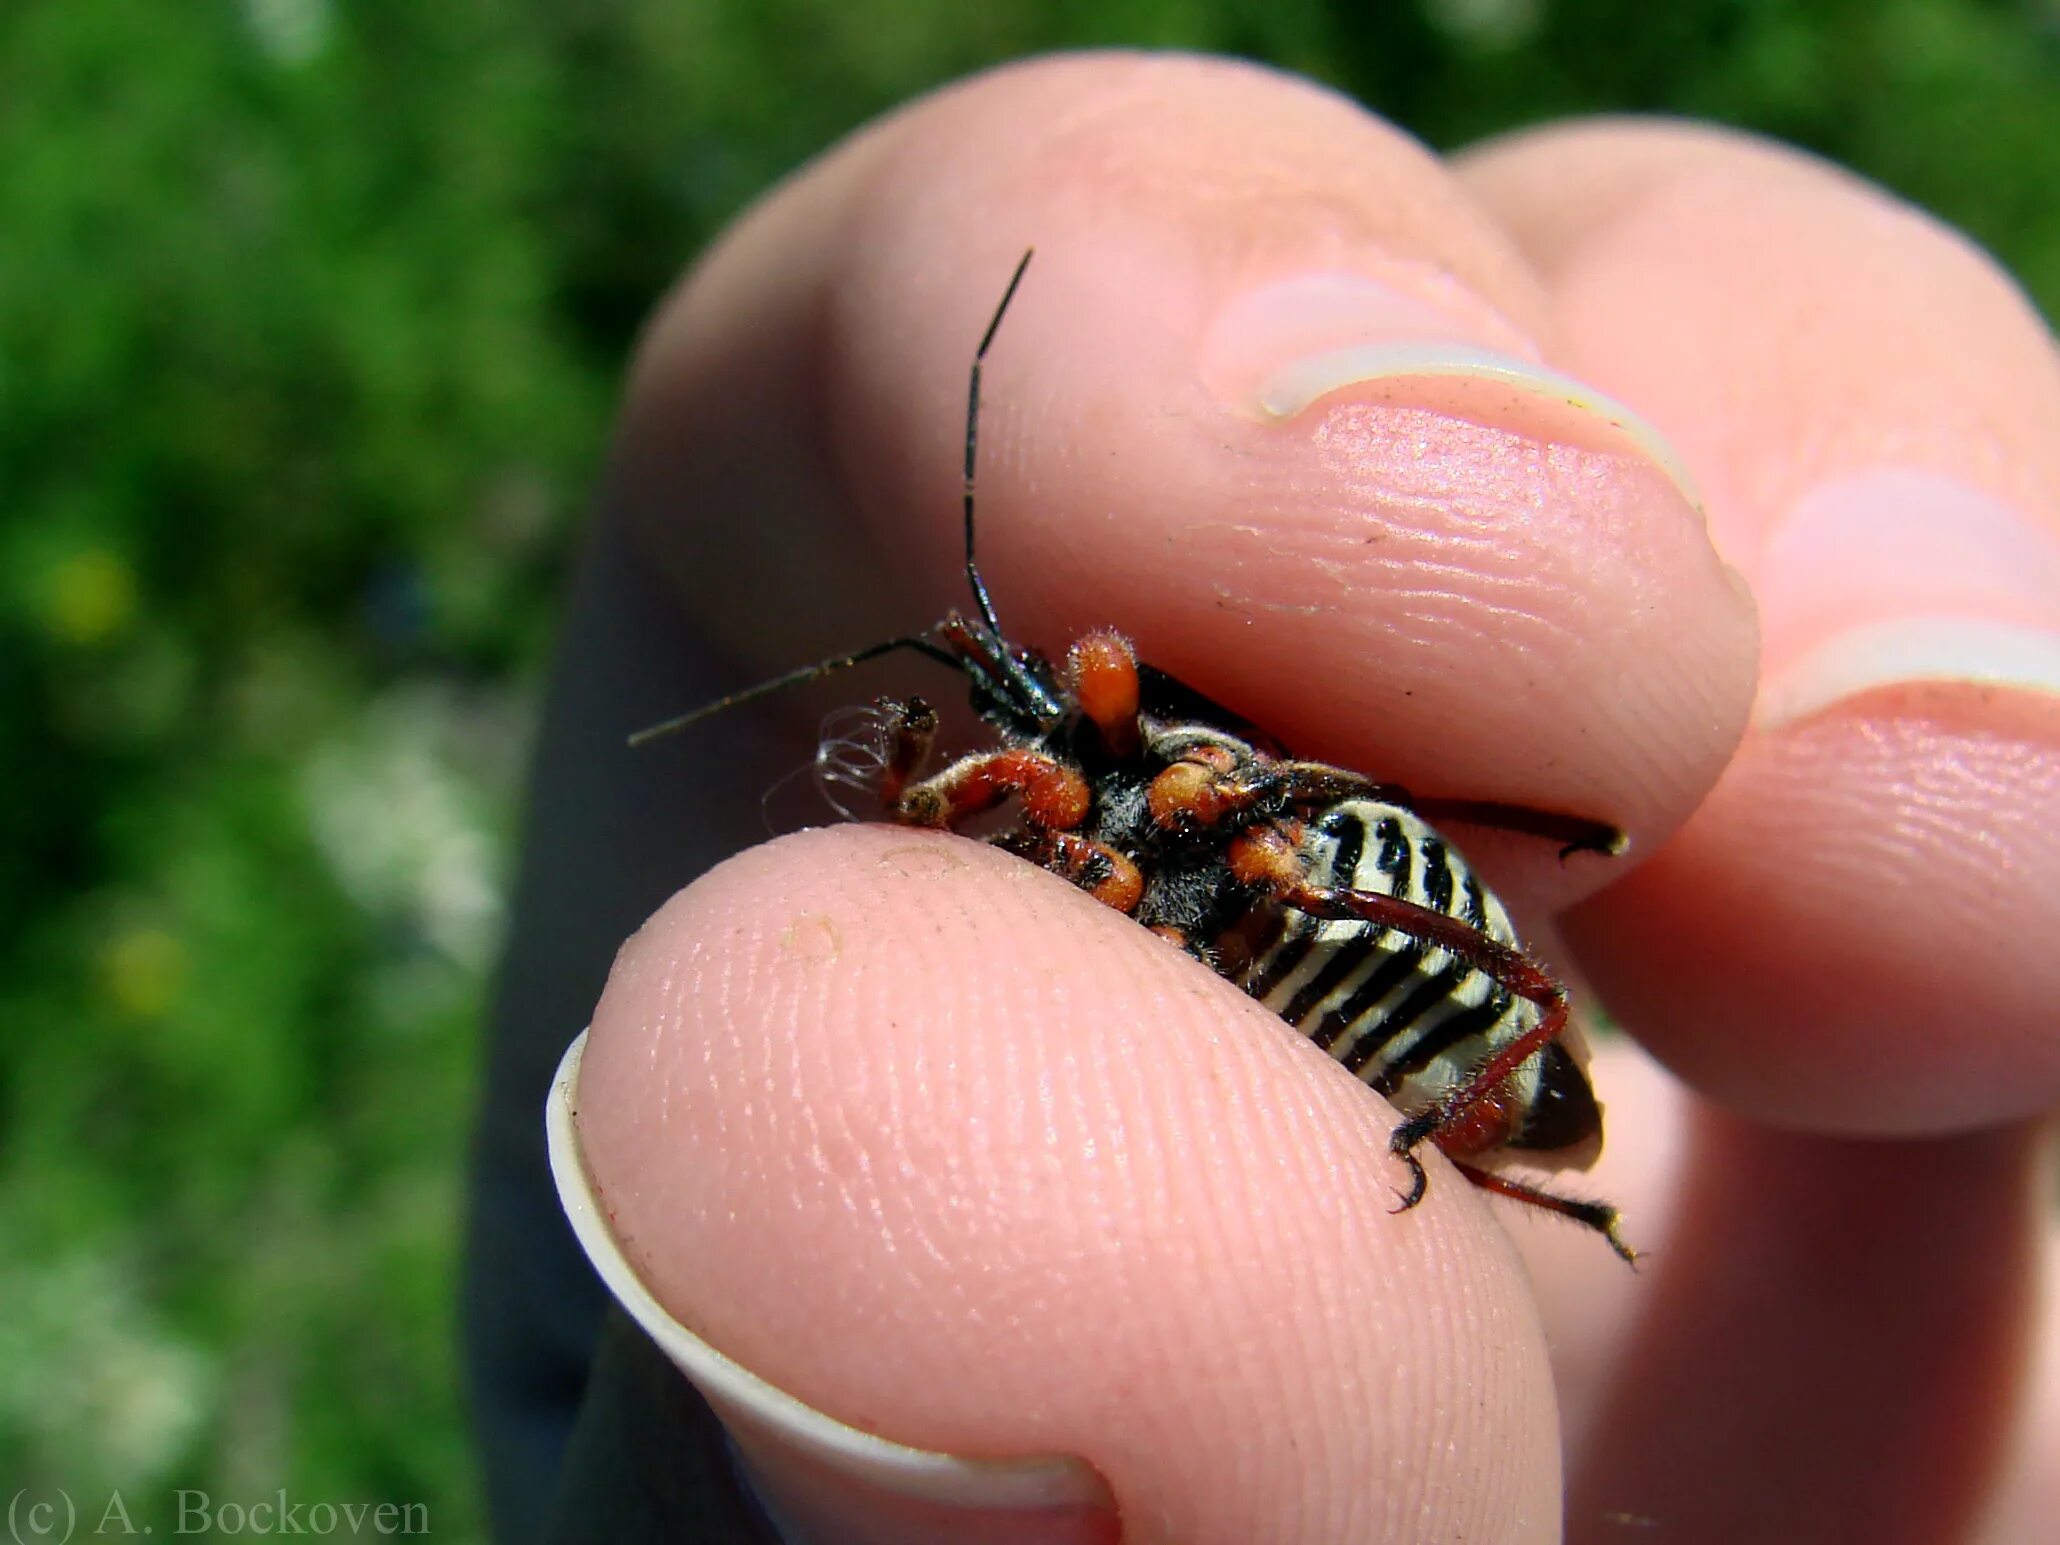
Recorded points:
(310,316)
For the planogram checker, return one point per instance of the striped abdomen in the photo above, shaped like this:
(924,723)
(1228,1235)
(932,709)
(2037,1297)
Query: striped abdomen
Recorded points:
(1408,1018)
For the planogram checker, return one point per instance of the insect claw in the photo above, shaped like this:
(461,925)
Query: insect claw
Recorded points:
(1616,1242)
(1418,1181)
(1608,842)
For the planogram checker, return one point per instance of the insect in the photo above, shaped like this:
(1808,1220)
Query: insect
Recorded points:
(1328,896)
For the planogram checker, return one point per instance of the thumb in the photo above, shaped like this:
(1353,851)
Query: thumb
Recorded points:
(929,1141)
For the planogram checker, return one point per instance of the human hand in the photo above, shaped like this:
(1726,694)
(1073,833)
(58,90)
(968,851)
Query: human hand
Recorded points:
(939,1146)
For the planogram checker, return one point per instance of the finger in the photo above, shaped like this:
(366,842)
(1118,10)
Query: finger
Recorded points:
(1838,1326)
(2027,1498)
(1846,936)
(1431,557)
(1826,1340)
(935,1143)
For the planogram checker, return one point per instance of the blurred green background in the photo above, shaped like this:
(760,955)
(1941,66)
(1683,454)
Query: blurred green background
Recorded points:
(311,315)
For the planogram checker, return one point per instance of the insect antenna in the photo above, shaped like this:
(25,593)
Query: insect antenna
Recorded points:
(919,642)
(980,596)
(988,660)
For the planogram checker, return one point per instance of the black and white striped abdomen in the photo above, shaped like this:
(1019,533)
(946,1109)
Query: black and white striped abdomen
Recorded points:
(1407,1017)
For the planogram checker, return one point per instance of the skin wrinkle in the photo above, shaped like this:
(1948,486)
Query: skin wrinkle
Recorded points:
(1405,596)
(975,1169)
(898,1234)
(1938,809)
(1427,555)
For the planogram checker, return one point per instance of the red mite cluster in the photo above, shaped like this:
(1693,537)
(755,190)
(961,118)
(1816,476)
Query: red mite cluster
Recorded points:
(1328,896)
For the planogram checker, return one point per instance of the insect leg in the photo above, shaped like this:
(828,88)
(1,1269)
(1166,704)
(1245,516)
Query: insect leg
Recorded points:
(1573,833)
(1101,668)
(1198,791)
(1108,876)
(1508,968)
(1054,793)
(1599,1216)
(1266,856)
(1209,785)
(1313,784)
(911,730)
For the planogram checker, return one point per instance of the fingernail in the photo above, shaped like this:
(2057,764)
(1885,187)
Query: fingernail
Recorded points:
(1892,577)
(1288,345)
(818,1466)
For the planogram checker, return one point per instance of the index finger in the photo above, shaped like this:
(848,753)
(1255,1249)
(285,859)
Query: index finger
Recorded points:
(1275,399)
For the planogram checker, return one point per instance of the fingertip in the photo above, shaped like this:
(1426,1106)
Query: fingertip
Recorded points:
(1303,440)
(1436,558)
(1863,964)
(929,1139)
(2026,1496)
(1841,939)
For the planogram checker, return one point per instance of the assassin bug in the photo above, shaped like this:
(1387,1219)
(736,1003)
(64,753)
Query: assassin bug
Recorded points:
(1327,896)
